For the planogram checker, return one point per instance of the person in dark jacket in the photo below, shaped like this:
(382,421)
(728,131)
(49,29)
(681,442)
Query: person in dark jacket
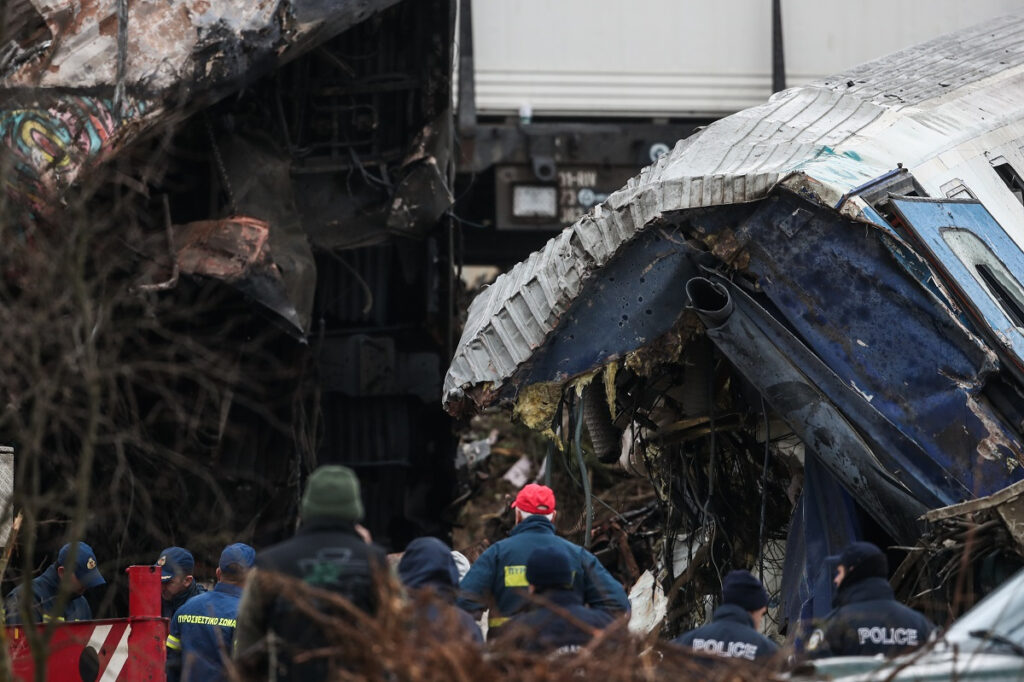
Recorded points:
(734,630)
(498,578)
(427,564)
(83,575)
(202,630)
(177,584)
(866,619)
(327,554)
(557,622)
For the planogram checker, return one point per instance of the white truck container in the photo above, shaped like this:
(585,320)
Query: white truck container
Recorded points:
(671,58)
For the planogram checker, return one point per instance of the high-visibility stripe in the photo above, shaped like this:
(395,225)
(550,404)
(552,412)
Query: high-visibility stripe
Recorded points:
(173,642)
(497,621)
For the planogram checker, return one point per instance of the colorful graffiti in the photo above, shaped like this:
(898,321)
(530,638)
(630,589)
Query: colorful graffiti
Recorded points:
(50,147)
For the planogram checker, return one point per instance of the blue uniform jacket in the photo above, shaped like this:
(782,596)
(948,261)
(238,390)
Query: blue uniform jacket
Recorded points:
(730,634)
(200,635)
(500,574)
(867,621)
(543,629)
(44,594)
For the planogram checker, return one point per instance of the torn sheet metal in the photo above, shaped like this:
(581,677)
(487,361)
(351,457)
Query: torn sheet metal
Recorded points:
(923,109)
(112,70)
(236,251)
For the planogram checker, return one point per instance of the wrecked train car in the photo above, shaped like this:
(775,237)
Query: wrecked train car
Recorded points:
(271,177)
(805,324)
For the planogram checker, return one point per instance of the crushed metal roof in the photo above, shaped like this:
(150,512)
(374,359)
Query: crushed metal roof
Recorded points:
(823,139)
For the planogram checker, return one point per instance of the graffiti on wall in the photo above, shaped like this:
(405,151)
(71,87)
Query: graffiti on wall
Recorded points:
(51,146)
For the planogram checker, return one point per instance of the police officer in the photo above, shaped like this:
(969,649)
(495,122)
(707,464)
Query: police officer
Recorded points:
(202,629)
(498,578)
(82,576)
(328,553)
(552,624)
(734,628)
(866,618)
(177,584)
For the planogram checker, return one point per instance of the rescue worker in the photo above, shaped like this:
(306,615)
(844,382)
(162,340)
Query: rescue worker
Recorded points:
(866,619)
(734,630)
(498,578)
(428,565)
(327,553)
(177,584)
(553,623)
(202,630)
(83,575)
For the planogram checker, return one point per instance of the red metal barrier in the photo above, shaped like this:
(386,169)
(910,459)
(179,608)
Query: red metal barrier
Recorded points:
(130,648)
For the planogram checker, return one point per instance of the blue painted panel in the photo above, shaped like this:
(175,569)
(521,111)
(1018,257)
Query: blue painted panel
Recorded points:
(630,302)
(837,286)
(934,222)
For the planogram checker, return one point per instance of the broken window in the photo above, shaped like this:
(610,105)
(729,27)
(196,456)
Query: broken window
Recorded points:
(994,276)
(1009,176)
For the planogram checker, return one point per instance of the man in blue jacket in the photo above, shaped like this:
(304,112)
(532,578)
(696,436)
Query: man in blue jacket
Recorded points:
(553,623)
(866,619)
(734,630)
(201,631)
(78,577)
(177,584)
(427,564)
(498,578)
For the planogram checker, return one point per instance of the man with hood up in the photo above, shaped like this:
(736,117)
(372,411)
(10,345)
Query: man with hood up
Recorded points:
(427,564)
(866,619)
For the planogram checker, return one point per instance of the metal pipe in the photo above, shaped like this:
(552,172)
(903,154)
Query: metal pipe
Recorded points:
(710,299)
(778,54)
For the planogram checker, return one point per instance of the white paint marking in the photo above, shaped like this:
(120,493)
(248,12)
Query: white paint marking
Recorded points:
(117,661)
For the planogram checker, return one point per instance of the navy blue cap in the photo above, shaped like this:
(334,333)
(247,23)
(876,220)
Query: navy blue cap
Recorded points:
(549,567)
(175,561)
(744,590)
(239,554)
(85,565)
(863,560)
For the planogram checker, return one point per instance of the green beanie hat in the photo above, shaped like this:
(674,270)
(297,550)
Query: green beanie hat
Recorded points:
(332,492)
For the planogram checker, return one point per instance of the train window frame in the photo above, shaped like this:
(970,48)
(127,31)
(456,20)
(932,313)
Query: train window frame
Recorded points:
(1010,177)
(1005,290)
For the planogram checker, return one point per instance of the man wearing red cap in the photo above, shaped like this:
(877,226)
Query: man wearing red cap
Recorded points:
(498,578)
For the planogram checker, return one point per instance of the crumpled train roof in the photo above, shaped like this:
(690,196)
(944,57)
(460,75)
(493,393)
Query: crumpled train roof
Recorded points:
(827,137)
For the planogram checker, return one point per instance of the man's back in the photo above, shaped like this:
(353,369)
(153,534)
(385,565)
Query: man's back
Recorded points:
(730,634)
(201,633)
(867,621)
(500,573)
(553,625)
(326,555)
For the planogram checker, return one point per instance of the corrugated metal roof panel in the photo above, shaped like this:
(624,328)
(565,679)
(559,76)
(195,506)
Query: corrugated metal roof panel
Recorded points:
(905,108)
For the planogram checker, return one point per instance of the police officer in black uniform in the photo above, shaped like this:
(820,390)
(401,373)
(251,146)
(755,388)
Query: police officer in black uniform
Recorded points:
(733,630)
(866,619)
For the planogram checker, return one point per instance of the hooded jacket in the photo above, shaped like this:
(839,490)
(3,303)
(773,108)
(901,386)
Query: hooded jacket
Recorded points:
(428,564)
(730,634)
(500,574)
(44,593)
(867,620)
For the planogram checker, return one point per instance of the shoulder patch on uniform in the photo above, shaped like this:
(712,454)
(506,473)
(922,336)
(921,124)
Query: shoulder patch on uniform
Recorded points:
(814,641)
(515,576)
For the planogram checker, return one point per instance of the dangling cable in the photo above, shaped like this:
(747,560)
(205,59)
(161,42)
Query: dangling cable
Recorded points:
(589,503)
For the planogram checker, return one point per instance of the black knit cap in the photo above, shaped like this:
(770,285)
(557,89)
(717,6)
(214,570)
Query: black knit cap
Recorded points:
(549,567)
(744,590)
(863,560)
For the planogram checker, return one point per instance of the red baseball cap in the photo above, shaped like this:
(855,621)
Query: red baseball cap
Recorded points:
(535,499)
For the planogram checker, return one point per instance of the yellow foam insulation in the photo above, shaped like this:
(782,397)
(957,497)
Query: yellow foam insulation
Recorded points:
(535,406)
(610,370)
